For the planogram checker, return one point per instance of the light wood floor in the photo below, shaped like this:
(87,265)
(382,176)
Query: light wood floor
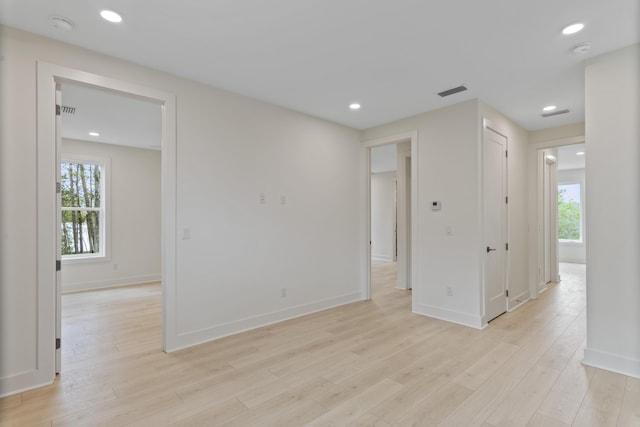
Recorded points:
(366,364)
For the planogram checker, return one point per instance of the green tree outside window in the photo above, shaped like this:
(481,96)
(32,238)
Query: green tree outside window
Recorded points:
(81,208)
(569,212)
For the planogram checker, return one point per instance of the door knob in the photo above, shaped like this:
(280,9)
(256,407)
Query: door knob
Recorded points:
(489,249)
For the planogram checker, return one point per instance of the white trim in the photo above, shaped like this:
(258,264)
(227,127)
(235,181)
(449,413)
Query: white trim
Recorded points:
(612,362)
(518,300)
(391,139)
(18,380)
(387,258)
(220,331)
(400,284)
(70,288)
(464,319)
(48,75)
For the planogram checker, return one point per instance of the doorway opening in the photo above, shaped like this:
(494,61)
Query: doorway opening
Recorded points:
(109,170)
(563,209)
(390,176)
(50,78)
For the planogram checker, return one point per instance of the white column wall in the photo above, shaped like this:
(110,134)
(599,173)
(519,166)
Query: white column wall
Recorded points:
(613,209)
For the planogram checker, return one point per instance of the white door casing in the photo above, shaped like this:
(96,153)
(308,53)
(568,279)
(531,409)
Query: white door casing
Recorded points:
(406,265)
(58,155)
(495,222)
(48,76)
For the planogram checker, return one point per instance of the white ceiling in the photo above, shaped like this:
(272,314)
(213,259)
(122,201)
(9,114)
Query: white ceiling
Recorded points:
(119,119)
(318,56)
(568,159)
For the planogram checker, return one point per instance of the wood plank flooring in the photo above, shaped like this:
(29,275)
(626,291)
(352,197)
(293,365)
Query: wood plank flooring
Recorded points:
(370,363)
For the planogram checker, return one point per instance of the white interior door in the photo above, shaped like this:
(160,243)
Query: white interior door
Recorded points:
(58,232)
(495,220)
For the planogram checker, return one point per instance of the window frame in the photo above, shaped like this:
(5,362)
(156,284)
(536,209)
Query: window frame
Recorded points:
(580,183)
(104,255)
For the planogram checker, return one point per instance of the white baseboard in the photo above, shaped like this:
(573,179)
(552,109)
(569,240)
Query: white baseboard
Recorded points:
(612,362)
(381,258)
(518,300)
(22,382)
(190,339)
(109,283)
(400,284)
(542,287)
(460,318)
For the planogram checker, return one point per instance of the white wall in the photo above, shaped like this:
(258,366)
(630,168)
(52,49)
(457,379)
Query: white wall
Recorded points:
(383,222)
(241,253)
(448,159)
(134,210)
(613,194)
(570,251)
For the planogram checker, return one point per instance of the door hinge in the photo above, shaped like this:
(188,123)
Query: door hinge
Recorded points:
(506,153)
(506,199)
(58,343)
(57,110)
(58,188)
(506,246)
(506,293)
(58,265)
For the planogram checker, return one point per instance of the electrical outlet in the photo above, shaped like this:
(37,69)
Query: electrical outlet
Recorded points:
(449,291)
(262,198)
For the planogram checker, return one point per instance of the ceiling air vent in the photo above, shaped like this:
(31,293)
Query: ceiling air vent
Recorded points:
(65,109)
(554,113)
(452,91)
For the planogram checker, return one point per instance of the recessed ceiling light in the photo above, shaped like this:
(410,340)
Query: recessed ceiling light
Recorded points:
(111,16)
(61,23)
(354,106)
(573,28)
(549,108)
(580,153)
(94,134)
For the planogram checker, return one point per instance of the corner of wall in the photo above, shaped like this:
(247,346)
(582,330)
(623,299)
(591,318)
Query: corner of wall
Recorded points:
(611,362)
(464,319)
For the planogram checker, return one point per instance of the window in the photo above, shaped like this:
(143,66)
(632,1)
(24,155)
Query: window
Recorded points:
(83,209)
(570,212)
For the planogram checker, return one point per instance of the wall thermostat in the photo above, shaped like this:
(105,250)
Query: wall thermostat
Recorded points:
(435,205)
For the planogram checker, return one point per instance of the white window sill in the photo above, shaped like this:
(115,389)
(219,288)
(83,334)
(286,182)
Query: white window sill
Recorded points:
(572,242)
(83,259)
